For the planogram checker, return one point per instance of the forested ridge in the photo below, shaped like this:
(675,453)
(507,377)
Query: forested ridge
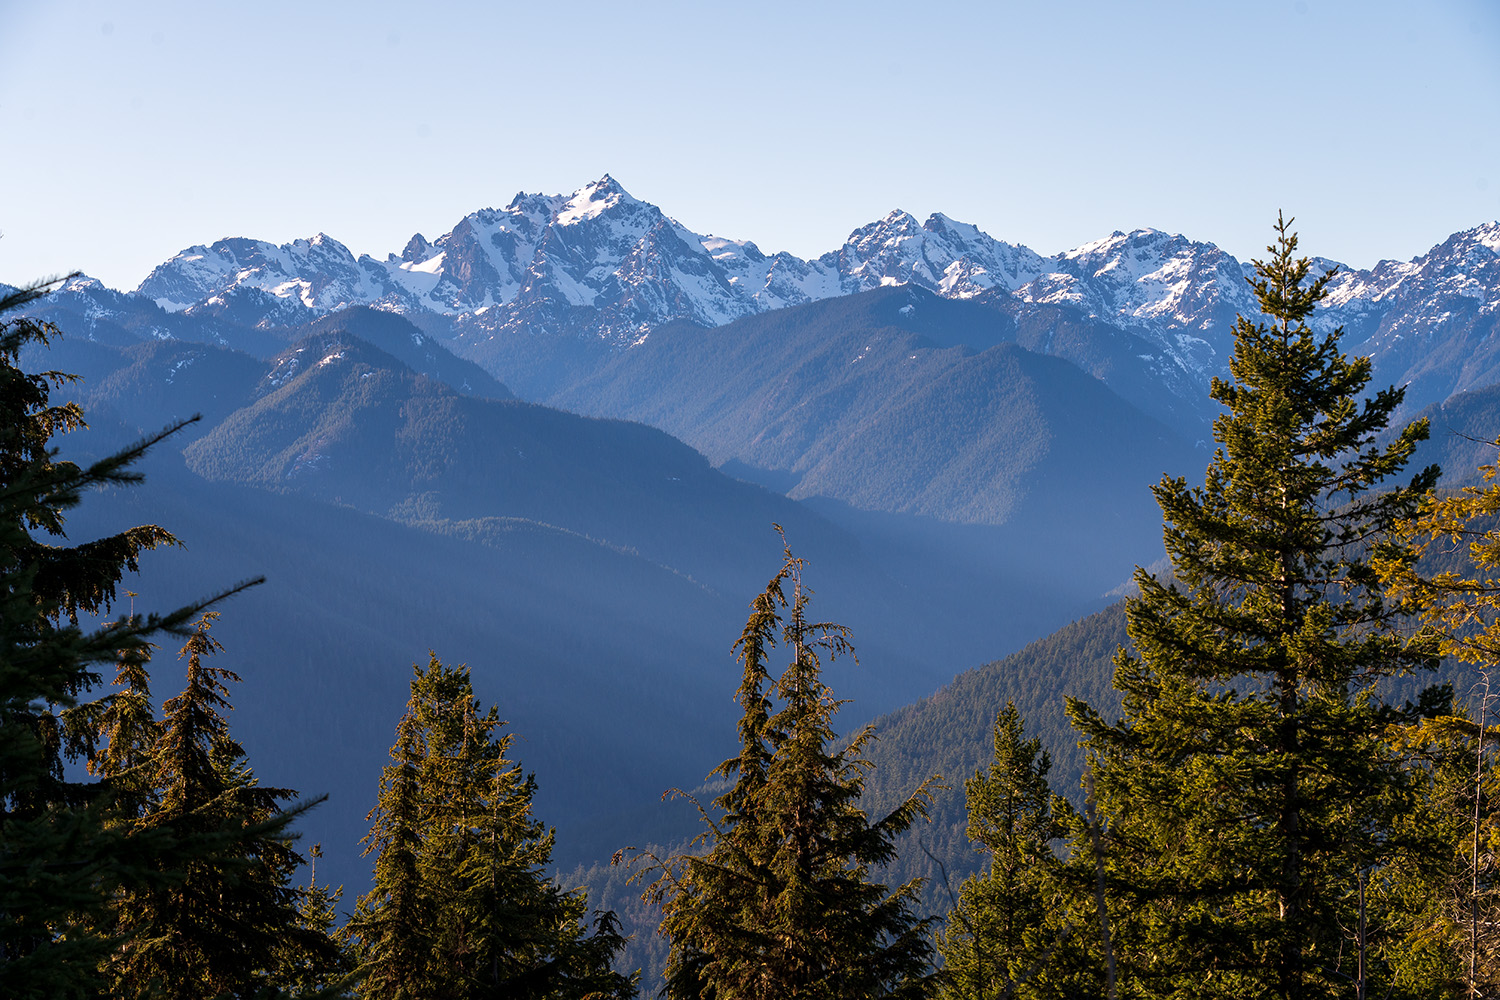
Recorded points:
(1277,796)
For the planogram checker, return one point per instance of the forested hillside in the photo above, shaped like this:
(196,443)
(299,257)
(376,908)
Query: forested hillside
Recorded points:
(589,571)
(892,400)
(948,734)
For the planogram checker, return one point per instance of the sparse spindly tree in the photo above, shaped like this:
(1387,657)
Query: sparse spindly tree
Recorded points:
(1459,607)
(783,902)
(1249,788)
(302,972)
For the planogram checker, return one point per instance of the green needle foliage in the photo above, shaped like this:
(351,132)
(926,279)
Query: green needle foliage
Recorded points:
(463,905)
(302,972)
(63,852)
(227,919)
(1008,925)
(782,904)
(1444,904)
(1458,929)
(393,927)
(1249,789)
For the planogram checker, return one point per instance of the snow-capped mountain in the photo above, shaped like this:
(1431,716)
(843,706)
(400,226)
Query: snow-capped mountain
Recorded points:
(319,273)
(535,262)
(1457,279)
(1432,322)
(541,259)
(1181,295)
(951,258)
(601,266)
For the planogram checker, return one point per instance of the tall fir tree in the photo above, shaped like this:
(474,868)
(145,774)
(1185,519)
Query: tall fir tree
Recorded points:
(392,929)
(783,903)
(464,904)
(62,855)
(1249,784)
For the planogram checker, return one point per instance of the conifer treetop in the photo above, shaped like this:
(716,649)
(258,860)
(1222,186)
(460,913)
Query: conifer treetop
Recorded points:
(780,901)
(1250,777)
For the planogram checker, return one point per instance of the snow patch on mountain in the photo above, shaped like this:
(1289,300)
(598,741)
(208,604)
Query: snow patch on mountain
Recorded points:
(952,258)
(1487,236)
(601,263)
(592,201)
(597,249)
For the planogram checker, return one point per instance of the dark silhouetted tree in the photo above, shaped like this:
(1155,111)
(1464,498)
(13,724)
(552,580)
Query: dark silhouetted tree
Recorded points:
(229,917)
(63,854)
(782,903)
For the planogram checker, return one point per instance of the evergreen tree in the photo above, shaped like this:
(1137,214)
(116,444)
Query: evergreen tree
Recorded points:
(1249,787)
(463,904)
(299,972)
(1442,905)
(1004,930)
(1460,610)
(230,916)
(392,929)
(62,858)
(782,903)
(114,735)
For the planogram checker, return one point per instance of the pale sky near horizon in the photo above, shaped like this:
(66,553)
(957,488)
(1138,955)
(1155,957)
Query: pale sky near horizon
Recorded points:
(138,129)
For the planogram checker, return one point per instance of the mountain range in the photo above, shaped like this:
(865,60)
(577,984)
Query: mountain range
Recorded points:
(604,267)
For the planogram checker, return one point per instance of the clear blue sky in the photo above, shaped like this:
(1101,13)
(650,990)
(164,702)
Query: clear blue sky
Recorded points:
(134,129)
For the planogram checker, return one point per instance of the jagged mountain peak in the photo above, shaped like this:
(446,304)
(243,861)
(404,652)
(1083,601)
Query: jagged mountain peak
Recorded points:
(937,222)
(1478,245)
(75,283)
(1179,294)
(317,271)
(593,200)
(953,258)
(895,222)
(320,240)
(417,249)
(600,264)
(721,248)
(1100,246)
(538,207)
(1141,244)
